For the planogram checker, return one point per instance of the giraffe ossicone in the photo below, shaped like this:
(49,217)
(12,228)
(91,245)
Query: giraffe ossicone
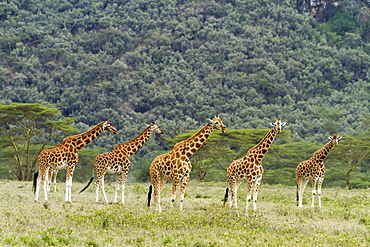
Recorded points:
(64,156)
(175,165)
(117,161)
(313,169)
(249,169)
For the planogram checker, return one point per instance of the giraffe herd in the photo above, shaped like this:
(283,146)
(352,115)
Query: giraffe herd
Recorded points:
(174,165)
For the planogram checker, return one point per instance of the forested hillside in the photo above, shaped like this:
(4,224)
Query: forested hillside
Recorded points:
(180,62)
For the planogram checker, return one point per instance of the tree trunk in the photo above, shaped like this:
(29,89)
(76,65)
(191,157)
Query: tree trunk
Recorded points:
(348,184)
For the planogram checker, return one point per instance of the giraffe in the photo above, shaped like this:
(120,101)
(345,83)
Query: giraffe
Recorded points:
(117,162)
(249,168)
(175,165)
(314,169)
(64,156)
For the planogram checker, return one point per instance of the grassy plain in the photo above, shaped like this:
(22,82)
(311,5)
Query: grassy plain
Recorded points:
(344,219)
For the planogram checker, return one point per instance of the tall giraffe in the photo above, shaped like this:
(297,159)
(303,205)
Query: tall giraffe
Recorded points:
(249,168)
(175,165)
(314,169)
(117,162)
(64,156)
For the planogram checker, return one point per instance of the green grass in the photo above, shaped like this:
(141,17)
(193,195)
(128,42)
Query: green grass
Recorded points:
(344,219)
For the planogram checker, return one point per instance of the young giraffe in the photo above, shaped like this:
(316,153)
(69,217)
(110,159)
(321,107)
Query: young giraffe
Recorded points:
(175,165)
(314,169)
(64,156)
(249,168)
(117,162)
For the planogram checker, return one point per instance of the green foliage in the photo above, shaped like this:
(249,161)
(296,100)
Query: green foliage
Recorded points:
(180,62)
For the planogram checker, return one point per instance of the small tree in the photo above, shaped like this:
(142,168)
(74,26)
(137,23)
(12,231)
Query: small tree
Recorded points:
(20,123)
(352,152)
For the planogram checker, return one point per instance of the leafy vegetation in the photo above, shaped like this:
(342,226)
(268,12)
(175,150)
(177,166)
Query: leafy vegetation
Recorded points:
(180,62)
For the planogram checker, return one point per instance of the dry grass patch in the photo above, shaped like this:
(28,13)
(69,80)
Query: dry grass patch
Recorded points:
(343,221)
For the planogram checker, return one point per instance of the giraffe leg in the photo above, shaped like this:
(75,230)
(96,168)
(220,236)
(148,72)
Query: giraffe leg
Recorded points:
(55,180)
(158,186)
(233,194)
(319,184)
(175,183)
(256,189)
(103,190)
(99,184)
(301,183)
(69,175)
(50,177)
(118,185)
(44,182)
(185,181)
(313,191)
(249,195)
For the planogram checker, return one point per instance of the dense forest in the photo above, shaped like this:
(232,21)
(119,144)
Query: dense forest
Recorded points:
(180,62)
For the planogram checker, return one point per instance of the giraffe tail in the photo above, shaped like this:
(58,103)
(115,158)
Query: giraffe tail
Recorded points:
(87,186)
(150,194)
(226,196)
(35,176)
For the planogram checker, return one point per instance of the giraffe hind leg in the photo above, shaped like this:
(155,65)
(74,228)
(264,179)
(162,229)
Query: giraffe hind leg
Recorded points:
(185,181)
(302,183)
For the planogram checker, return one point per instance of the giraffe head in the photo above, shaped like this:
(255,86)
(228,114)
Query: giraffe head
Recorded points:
(217,123)
(108,126)
(334,139)
(155,128)
(277,125)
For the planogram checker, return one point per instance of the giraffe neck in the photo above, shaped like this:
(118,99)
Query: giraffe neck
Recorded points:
(261,149)
(323,152)
(192,144)
(136,143)
(81,140)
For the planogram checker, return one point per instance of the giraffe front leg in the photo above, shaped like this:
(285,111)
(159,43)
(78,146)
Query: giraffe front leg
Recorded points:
(256,189)
(249,196)
(103,190)
(182,190)
(174,190)
(313,191)
(44,182)
(55,180)
(319,190)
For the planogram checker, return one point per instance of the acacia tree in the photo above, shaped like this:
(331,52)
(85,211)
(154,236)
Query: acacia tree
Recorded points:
(20,126)
(352,152)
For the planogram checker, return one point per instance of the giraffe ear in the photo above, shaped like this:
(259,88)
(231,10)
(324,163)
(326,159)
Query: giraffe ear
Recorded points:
(282,124)
(339,137)
(272,124)
(330,138)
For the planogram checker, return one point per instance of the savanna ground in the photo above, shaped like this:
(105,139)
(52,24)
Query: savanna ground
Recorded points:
(344,219)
